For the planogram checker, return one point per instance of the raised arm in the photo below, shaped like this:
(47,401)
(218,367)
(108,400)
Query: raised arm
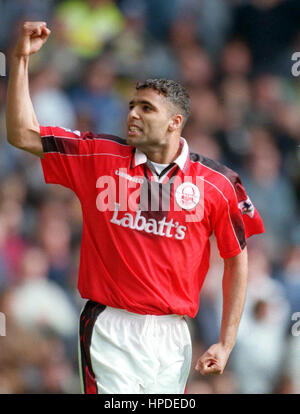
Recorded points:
(21,122)
(214,360)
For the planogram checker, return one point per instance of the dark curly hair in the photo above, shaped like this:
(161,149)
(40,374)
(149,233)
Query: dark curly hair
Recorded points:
(173,91)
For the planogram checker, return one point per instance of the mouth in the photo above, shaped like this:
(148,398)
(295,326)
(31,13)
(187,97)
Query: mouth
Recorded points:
(134,130)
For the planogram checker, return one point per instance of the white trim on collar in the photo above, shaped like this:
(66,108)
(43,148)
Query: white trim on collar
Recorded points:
(141,158)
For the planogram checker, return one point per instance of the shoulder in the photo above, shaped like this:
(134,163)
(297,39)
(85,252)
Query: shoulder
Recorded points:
(103,137)
(217,174)
(64,140)
(215,169)
(106,144)
(61,132)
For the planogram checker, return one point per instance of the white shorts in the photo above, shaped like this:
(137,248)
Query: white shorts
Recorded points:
(127,353)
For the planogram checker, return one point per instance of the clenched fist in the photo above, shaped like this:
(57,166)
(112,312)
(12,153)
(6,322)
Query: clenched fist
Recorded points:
(32,37)
(214,360)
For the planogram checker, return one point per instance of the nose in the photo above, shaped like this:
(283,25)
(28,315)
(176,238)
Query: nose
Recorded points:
(133,114)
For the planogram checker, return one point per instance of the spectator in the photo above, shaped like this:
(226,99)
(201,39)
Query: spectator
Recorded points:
(236,59)
(98,100)
(290,278)
(264,179)
(263,24)
(261,341)
(89,25)
(51,104)
(39,304)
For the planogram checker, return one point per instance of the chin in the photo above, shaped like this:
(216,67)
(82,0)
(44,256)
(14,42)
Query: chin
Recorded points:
(130,141)
(134,141)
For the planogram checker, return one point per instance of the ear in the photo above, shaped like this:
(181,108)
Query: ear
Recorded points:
(175,123)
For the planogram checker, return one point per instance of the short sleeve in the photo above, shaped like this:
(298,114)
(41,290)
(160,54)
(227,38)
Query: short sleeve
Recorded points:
(252,220)
(235,219)
(60,147)
(229,228)
(74,159)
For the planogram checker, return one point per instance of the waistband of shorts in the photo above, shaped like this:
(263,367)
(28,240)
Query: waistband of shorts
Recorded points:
(124,312)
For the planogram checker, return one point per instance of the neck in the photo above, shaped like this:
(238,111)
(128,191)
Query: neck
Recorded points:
(164,154)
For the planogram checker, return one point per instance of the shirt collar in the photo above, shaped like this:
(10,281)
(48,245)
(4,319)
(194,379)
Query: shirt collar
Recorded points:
(181,160)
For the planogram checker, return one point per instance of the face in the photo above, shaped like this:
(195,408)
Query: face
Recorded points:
(150,119)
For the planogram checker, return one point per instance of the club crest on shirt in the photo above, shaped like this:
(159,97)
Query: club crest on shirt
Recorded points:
(187,195)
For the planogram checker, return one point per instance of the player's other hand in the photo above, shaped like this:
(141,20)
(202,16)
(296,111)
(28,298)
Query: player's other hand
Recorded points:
(214,360)
(33,36)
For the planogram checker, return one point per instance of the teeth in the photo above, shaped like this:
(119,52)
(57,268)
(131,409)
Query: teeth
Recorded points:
(132,128)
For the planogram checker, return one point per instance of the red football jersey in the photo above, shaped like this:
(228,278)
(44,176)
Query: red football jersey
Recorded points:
(145,241)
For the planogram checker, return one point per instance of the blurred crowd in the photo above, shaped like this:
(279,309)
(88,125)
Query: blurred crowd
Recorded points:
(234,57)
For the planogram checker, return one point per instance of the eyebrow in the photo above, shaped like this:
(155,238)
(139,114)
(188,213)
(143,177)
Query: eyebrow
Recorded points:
(143,102)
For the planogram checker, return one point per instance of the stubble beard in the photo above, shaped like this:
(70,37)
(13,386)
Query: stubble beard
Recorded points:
(144,143)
